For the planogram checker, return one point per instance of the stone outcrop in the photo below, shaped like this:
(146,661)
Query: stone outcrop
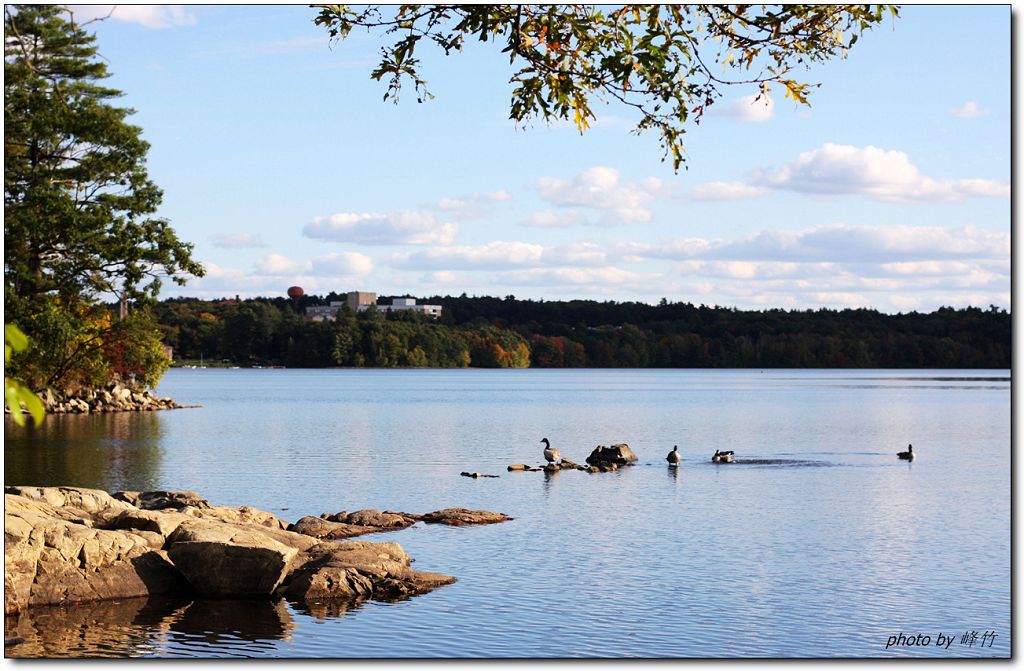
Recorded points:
(113,398)
(619,455)
(226,561)
(318,527)
(55,553)
(359,570)
(64,545)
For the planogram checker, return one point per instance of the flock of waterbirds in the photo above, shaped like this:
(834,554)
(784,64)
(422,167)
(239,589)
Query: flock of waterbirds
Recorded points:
(674,458)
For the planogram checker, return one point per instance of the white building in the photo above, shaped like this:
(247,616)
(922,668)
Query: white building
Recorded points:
(361,301)
(399,304)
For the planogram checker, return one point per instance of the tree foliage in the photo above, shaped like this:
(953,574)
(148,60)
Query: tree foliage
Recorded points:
(666,63)
(79,206)
(485,331)
(16,394)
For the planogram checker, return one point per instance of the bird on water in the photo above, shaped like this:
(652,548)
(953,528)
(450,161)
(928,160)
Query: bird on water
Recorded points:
(720,457)
(674,457)
(908,455)
(550,453)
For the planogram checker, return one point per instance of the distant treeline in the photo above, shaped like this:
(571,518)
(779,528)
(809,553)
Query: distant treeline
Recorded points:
(495,332)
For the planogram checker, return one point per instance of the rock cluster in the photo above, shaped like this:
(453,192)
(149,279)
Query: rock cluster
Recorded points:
(113,398)
(346,525)
(67,545)
(602,460)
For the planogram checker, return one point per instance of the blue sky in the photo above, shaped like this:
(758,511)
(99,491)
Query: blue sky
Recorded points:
(280,161)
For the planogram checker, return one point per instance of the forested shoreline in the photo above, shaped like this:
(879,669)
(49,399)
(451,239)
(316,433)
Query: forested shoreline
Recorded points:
(507,332)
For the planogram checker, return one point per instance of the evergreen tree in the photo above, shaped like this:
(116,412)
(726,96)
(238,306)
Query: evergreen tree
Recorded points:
(78,203)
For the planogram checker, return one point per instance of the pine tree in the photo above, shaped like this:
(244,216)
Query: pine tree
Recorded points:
(78,202)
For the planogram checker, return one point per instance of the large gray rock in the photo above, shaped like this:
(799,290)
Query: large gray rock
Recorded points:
(620,454)
(223,560)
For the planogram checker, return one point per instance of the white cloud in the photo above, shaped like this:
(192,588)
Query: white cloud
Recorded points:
(275,264)
(576,254)
(347,264)
(726,191)
(835,169)
(442,277)
(409,227)
(753,108)
(149,16)
(474,205)
(599,188)
(843,243)
(492,255)
(553,219)
(237,240)
(600,280)
(969,110)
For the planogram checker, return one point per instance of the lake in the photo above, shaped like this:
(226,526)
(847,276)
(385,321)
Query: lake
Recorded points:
(818,542)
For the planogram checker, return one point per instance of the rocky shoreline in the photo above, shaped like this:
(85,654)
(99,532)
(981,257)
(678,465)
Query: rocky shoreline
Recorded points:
(70,545)
(112,398)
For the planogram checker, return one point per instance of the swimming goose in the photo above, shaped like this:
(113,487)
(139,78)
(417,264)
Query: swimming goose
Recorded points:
(551,454)
(674,457)
(908,455)
(720,457)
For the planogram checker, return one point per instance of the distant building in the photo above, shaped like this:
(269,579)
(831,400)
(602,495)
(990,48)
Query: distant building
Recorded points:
(361,301)
(318,313)
(399,304)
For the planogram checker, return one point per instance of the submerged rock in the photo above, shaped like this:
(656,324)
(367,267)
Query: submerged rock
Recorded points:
(457,517)
(374,518)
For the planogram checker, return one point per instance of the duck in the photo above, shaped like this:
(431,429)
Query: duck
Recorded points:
(550,453)
(908,455)
(720,457)
(674,457)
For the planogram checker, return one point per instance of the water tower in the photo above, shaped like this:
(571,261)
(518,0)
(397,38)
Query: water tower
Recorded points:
(296,294)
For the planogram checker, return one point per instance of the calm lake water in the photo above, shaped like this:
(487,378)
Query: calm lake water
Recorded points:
(817,542)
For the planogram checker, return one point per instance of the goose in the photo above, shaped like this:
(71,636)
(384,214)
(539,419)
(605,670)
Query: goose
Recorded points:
(674,457)
(908,455)
(550,453)
(720,457)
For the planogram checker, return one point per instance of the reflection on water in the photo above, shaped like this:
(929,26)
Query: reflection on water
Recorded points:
(109,451)
(154,626)
(832,543)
